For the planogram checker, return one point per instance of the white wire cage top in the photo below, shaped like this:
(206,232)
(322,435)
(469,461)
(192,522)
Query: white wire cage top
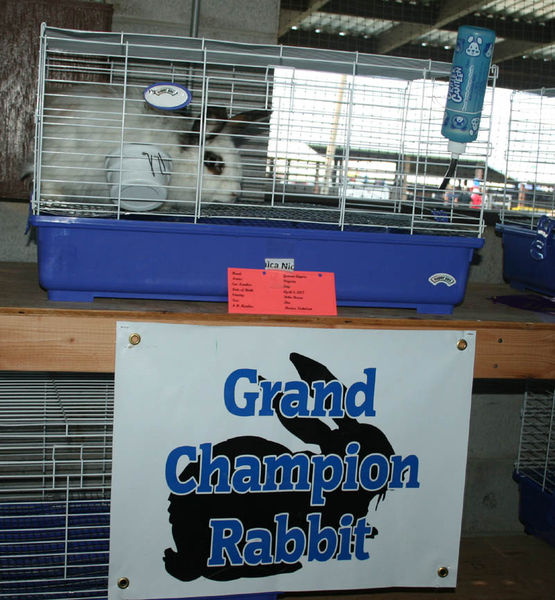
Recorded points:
(271,134)
(56,437)
(530,158)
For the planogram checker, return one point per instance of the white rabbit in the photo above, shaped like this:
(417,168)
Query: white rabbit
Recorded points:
(83,124)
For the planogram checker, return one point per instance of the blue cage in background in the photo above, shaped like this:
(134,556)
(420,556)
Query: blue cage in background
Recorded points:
(528,215)
(535,465)
(329,159)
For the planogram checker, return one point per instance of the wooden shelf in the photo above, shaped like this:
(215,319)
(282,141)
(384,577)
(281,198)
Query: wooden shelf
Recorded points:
(515,567)
(39,335)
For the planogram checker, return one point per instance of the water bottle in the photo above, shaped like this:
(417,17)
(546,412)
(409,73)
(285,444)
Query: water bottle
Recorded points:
(467,86)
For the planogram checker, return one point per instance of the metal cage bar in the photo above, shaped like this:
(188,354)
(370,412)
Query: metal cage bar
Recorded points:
(529,190)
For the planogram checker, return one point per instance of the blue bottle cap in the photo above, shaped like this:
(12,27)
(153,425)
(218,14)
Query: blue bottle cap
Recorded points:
(167,96)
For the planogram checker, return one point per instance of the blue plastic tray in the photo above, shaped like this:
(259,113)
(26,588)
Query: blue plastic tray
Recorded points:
(529,258)
(46,564)
(83,258)
(536,509)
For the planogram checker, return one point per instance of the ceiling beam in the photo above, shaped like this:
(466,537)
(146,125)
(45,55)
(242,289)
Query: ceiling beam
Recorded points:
(451,10)
(399,35)
(508,49)
(290,18)
(404,33)
(508,28)
(454,15)
(516,38)
(383,11)
(333,42)
(516,48)
(515,73)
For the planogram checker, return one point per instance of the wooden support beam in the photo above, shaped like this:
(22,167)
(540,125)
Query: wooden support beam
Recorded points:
(84,340)
(39,335)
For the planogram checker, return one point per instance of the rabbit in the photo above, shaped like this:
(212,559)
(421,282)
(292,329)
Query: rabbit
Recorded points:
(190,514)
(82,125)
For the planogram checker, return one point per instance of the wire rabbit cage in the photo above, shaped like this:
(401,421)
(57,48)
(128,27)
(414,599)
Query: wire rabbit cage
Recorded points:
(162,161)
(535,466)
(55,486)
(55,468)
(528,214)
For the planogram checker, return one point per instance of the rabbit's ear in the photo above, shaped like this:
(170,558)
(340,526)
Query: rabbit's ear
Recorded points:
(216,120)
(310,431)
(310,371)
(246,125)
(240,128)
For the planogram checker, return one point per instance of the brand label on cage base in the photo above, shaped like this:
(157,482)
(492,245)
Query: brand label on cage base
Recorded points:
(445,278)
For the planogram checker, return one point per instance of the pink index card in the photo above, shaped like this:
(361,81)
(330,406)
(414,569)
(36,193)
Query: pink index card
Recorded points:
(276,292)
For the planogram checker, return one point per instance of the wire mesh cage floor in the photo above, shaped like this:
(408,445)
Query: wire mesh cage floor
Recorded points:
(535,466)
(329,158)
(528,213)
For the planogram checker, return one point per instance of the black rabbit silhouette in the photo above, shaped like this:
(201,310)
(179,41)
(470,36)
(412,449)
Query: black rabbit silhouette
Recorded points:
(190,514)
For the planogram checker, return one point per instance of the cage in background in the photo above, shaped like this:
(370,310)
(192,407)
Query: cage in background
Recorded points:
(528,213)
(55,486)
(55,475)
(535,466)
(329,159)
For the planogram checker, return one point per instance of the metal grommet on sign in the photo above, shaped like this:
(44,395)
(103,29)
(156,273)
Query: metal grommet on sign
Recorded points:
(123,583)
(134,339)
(443,572)
(462,344)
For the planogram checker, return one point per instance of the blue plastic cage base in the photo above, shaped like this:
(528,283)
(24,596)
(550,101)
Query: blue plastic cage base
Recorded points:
(58,550)
(55,549)
(520,269)
(268,596)
(536,508)
(84,258)
(89,296)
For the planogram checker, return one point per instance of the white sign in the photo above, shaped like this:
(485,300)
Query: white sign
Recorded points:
(279,459)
